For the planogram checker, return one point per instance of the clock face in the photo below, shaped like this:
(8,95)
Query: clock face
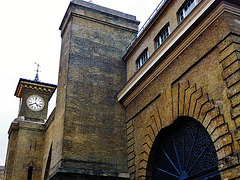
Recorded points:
(35,103)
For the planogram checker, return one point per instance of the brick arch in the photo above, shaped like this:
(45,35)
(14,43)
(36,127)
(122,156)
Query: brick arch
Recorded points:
(31,163)
(189,101)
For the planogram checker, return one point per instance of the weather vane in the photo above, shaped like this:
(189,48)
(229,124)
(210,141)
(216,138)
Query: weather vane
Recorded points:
(36,77)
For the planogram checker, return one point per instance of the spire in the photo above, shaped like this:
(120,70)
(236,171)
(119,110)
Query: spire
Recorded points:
(37,77)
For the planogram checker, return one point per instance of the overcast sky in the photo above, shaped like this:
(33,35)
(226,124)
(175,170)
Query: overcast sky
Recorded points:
(28,34)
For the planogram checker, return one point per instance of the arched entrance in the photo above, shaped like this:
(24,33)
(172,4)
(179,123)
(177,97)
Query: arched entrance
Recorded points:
(184,150)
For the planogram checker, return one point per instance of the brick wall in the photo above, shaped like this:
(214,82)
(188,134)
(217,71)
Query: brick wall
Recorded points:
(202,83)
(87,133)
(2,172)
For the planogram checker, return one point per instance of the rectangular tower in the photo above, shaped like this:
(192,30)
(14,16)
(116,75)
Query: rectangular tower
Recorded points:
(87,137)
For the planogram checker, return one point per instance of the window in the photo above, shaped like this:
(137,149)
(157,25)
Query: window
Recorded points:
(47,169)
(30,172)
(163,35)
(187,8)
(142,58)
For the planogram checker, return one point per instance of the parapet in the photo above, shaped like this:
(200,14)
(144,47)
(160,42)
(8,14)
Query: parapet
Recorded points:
(100,14)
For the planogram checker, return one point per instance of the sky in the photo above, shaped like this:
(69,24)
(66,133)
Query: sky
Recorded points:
(29,33)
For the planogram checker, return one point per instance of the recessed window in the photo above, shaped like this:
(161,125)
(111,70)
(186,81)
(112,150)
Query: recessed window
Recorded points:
(142,58)
(162,36)
(187,8)
(30,172)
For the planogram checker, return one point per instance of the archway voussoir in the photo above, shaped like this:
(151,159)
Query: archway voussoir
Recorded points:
(232,173)
(202,100)
(223,141)
(155,125)
(219,131)
(142,173)
(132,175)
(144,157)
(175,100)
(187,100)
(148,142)
(132,171)
(205,108)
(210,115)
(147,147)
(217,121)
(182,91)
(150,133)
(142,168)
(224,152)
(143,164)
(195,96)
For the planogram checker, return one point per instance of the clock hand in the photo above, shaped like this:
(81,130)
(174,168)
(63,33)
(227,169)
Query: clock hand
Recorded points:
(33,104)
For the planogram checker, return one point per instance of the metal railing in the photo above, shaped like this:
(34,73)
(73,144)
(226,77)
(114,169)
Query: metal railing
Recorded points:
(147,22)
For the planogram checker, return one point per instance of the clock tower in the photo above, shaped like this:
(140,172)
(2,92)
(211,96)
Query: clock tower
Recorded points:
(27,132)
(34,97)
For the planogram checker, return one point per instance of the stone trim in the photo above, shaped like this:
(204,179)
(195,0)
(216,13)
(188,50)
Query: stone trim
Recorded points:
(28,84)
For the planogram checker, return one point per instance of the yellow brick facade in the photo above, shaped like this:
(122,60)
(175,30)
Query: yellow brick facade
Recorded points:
(111,117)
(194,73)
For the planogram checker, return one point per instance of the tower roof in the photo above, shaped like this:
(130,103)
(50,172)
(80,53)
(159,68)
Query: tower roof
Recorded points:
(29,84)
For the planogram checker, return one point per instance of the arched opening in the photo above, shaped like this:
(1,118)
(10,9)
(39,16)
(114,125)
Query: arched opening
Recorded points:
(47,169)
(184,150)
(30,173)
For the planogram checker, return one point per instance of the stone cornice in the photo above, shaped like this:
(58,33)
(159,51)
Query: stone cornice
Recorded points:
(38,86)
(161,58)
(71,12)
(27,125)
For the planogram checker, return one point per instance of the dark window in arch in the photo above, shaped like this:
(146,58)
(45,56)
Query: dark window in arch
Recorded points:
(47,169)
(30,172)
(184,150)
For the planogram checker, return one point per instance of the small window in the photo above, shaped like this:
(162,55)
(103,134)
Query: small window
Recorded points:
(187,8)
(162,36)
(142,58)
(30,172)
